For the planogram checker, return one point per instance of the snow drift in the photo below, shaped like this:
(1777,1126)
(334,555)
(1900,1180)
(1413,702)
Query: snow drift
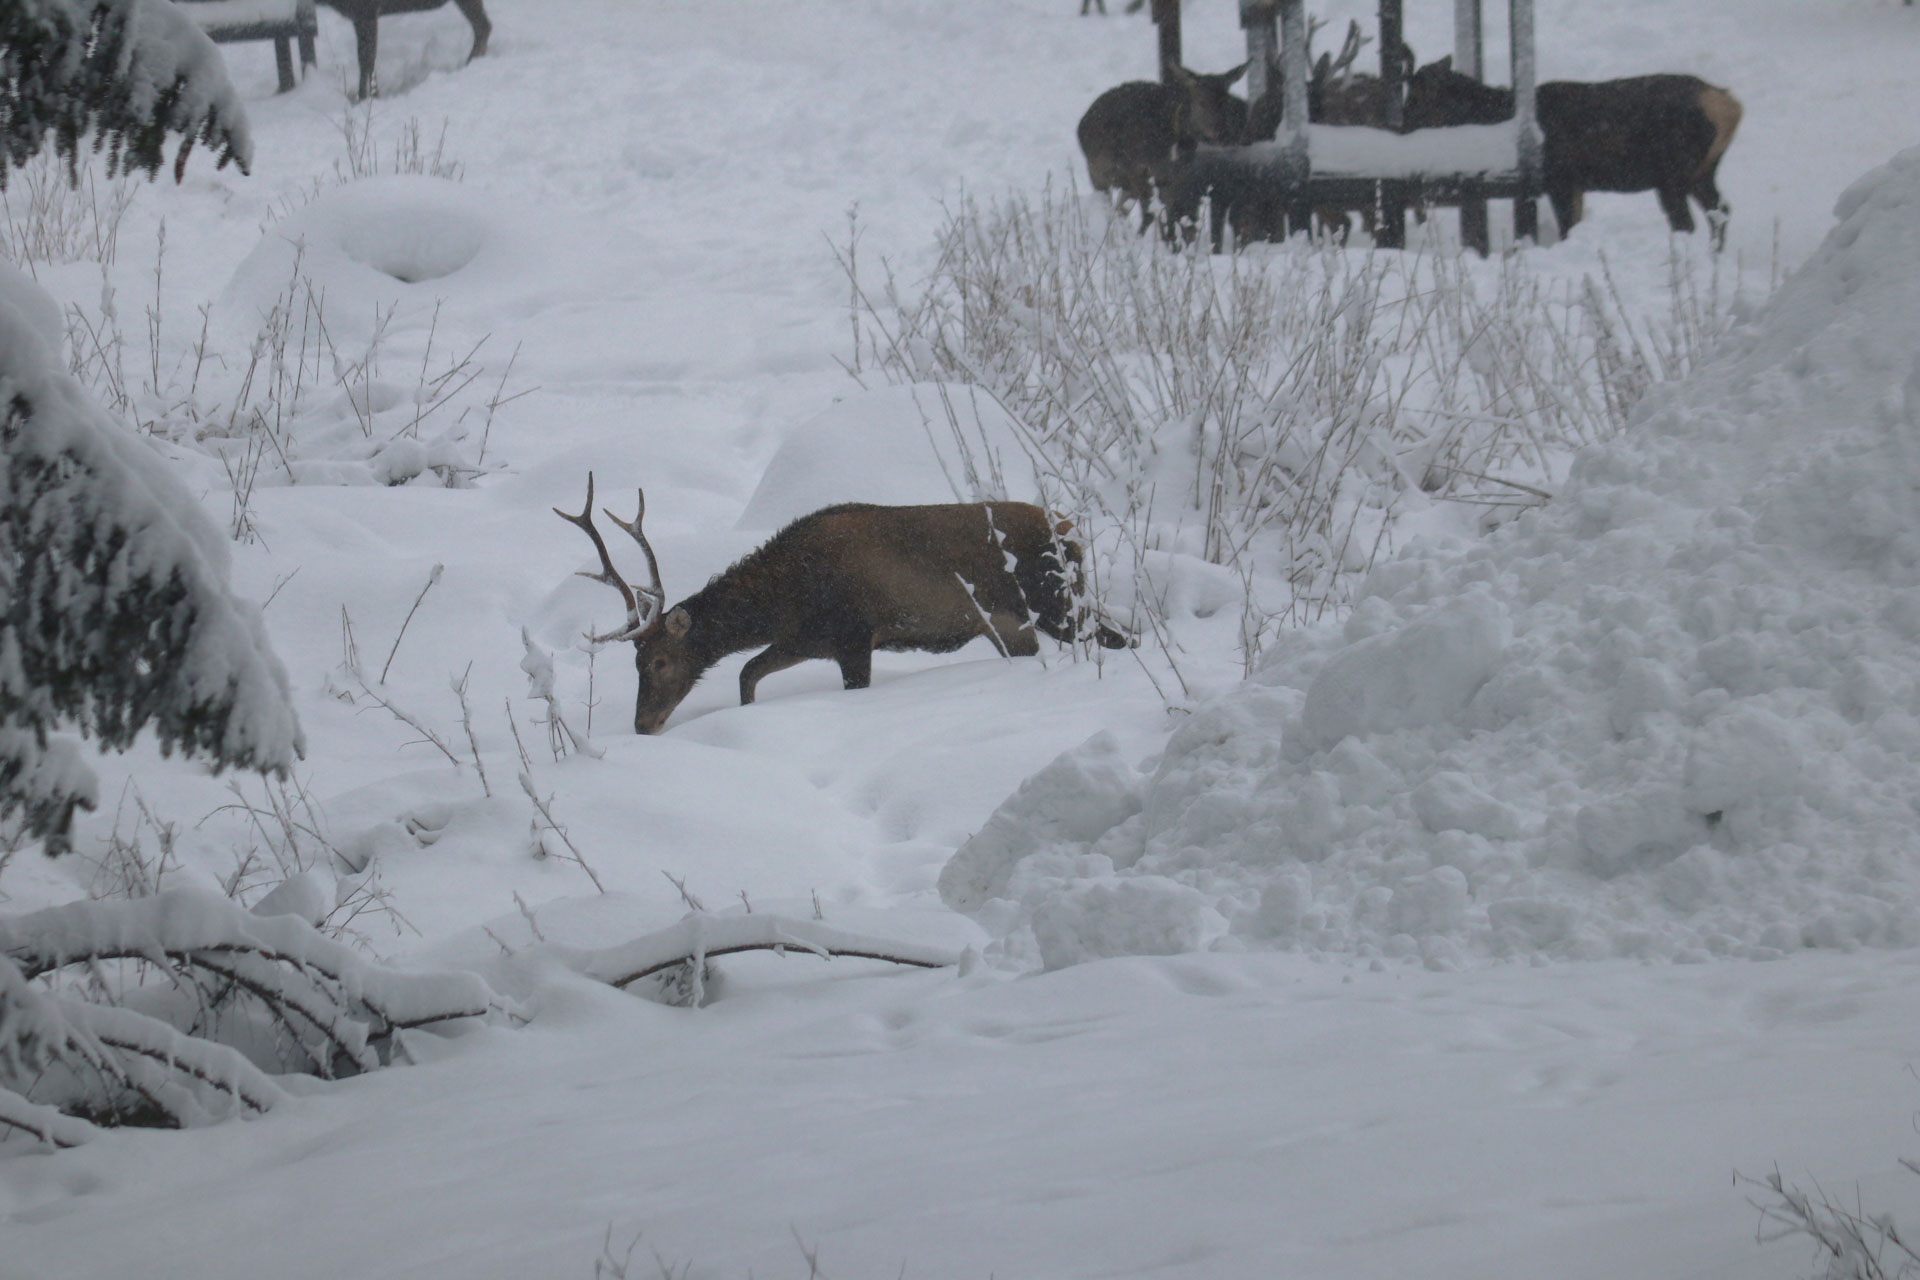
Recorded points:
(1674,714)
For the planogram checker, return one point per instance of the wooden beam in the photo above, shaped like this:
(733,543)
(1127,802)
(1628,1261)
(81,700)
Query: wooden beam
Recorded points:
(1166,17)
(1470,58)
(1526,215)
(1469,39)
(1293,122)
(1390,231)
(1263,45)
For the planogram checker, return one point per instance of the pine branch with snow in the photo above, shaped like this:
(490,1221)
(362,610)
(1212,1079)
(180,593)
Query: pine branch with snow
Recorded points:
(130,73)
(115,617)
(231,972)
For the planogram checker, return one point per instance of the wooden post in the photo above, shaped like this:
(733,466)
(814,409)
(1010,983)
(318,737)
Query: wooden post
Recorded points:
(1469,58)
(1526,211)
(1166,17)
(1293,120)
(1390,232)
(309,27)
(1263,45)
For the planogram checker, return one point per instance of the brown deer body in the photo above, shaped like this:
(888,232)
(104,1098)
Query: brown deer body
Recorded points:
(847,580)
(1661,133)
(1134,134)
(365,16)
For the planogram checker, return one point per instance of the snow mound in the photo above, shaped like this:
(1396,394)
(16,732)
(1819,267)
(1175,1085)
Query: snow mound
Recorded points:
(917,443)
(1673,715)
(372,243)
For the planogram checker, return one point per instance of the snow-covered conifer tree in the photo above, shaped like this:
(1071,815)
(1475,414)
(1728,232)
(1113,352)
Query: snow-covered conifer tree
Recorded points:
(114,611)
(122,74)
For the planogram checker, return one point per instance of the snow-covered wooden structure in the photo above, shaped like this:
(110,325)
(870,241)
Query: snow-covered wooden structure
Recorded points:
(285,22)
(1310,165)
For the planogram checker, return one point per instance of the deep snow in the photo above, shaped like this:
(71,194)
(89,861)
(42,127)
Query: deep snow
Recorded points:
(1669,715)
(651,193)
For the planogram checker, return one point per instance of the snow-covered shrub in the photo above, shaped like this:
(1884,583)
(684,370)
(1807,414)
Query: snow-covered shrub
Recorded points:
(51,218)
(245,995)
(1674,714)
(327,358)
(1277,409)
(1849,1243)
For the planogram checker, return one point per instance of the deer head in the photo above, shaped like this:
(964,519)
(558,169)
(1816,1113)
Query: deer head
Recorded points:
(659,635)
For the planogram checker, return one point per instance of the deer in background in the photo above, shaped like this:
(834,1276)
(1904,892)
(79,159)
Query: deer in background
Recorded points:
(845,581)
(1135,134)
(365,16)
(1664,133)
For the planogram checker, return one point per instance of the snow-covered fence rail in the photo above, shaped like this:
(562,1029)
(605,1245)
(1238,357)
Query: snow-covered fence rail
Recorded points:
(282,21)
(1270,189)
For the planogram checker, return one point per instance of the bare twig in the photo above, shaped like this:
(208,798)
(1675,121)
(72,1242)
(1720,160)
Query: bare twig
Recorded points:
(433,576)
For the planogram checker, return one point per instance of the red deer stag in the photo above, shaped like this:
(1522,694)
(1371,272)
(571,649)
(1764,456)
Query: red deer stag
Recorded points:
(365,16)
(1135,134)
(845,581)
(1662,133)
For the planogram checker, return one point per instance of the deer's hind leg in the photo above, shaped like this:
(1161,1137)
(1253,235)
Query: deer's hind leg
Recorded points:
(1673,202)
(1707,193)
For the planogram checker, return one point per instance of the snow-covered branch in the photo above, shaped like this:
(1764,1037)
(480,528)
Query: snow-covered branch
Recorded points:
(98,1060)
(701,936)
(129,73)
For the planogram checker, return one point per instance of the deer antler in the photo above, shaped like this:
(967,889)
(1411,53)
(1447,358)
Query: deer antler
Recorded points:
(1314,26)
(656,592)
(637,618)
(1350,49)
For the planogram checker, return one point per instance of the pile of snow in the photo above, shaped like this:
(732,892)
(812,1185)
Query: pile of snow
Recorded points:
(375,243)
(1674,714)
(917,443)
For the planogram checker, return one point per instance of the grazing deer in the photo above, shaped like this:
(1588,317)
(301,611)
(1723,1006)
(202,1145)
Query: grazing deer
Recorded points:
(1134,134)
(845,581)
(365,16)
(1664,133)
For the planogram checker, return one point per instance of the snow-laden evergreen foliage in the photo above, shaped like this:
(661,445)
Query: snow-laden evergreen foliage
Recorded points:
(114,611)
(294,998)
(130,73)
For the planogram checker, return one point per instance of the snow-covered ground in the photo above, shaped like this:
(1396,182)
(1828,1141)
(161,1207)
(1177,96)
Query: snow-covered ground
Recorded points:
(1339,1082)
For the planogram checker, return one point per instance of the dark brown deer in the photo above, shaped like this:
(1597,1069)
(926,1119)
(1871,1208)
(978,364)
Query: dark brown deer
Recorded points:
(1663,133)
(1134,134)
(845,581)
(365,16)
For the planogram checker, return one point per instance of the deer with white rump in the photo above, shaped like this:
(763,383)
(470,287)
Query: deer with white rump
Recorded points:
(845,581)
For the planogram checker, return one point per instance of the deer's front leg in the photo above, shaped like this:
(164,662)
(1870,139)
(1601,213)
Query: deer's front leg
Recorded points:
(769,660)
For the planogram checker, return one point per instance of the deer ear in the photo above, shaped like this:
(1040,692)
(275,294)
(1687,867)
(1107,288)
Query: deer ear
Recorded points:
(678,622)
(1226,78)
(1446,63)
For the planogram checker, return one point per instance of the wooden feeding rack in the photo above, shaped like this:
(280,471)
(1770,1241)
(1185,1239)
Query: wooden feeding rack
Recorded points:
(1367,166)
(285,22)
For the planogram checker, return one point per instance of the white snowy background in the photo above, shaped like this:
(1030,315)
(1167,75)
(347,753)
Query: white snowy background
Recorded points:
(1486,930)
